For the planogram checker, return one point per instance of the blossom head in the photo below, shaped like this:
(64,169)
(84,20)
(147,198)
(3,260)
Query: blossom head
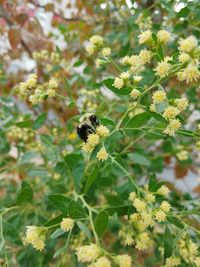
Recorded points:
(145,37)
(102,131)
(51,92)
(172,127)
(87,148)
(163,68)
(159,96)
(96,40)
(135,93)
(163,36)
(188,44)
(32,81)
(90,49)
(160,216)
(140,205)
(143,241)
(93,140)
(53,83)
(150,198)
(88,253)
(184,57)
(102,154)
(172,262)
(67,224)
(145,56)
(102,262)
(118,83)
(106,51)
(165,206)
(170,112)
(123,260)
(163,191)
(189,74)
(181,103)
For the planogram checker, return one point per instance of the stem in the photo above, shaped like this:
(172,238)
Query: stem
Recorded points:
(67,243)
(90,210)
(3,240)
(138,101)
(127,174)
(8,209)
(115,64)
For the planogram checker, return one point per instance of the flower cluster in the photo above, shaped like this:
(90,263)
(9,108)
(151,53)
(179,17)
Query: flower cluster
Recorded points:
(146,215)
(186,250)
(169,112)
(36,93)
(94,139)
(16,134)
(89,99)
(36,236)
(97,45)
(188,56)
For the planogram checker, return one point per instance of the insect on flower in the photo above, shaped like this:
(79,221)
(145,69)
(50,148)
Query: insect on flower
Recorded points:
(88,124)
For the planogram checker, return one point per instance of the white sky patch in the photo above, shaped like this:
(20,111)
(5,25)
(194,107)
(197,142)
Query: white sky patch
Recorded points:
(179,6)
(103,5)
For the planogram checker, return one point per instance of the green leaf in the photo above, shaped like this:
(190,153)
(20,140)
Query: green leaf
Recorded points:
(39,121)
(24,124)
(154,185)
(76,211)
(184,12)
(160,53)
(101,222)
(109,84)
(75,163)
(25,195)
(57,233)
(54,221)
(91,179)
(168,240)
(139,120)
(59,201)
(152,182)
(154,36)
(174,220)
(157,117)
(139,159)
(84,229)
(106,122)
(28,156)
(59,252)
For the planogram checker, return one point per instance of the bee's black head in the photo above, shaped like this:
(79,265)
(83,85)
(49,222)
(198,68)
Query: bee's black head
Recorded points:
(94,120)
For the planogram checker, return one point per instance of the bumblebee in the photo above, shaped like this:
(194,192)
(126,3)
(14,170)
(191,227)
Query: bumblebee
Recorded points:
(88,124)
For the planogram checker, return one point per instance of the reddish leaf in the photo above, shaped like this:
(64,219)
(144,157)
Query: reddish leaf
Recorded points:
(197,189)
(167,160)
(21,19)
(180,171)
(14,36)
